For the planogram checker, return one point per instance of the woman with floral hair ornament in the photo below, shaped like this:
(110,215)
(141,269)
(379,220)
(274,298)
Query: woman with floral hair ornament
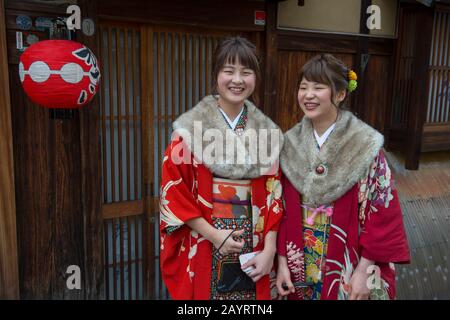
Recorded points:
(342,231)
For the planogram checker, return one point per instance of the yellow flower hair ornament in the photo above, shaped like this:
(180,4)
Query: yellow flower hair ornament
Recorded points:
(352,84)
(352,75)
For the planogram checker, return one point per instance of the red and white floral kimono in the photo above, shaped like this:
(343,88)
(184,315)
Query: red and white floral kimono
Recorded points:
(187,193)
(340,205)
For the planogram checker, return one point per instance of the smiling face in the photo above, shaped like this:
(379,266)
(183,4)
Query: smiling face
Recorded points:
(315,100)
(236,72)
(323,88)
(235,83)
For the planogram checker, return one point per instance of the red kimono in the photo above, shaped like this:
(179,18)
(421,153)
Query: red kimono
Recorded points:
(186,193)
(350,176)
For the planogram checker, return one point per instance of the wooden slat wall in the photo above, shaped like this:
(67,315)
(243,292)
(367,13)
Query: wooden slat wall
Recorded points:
(404,79)
(121,132)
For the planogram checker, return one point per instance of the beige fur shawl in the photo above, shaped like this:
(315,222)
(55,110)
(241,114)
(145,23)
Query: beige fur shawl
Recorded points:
(198,124)
(346,156)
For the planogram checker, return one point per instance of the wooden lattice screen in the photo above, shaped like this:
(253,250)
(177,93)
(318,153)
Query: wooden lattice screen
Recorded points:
(151,74)
(123,201)
(439,70)
(404,79)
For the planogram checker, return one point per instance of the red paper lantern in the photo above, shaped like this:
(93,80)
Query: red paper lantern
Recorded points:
(59,74)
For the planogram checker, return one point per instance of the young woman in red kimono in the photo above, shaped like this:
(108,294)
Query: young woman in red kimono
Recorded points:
(342,231)
(221,189)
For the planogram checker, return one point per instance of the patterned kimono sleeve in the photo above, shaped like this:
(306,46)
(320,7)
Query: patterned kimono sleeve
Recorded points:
(274,202)
(281,237)
(282,230)
(382,235)
(178,202)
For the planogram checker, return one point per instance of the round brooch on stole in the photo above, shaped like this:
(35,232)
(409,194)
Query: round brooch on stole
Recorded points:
(321,169)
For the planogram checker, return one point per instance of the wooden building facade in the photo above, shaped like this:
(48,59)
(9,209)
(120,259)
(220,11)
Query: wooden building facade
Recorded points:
(84,191)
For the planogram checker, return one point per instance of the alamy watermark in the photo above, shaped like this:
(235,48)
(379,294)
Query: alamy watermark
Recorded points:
(214,147)
(374,20)
(74,280)
(74,21)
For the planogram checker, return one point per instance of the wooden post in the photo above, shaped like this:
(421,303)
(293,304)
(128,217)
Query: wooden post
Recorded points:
(418,107)
(91,184)
(148,160)
(9,275)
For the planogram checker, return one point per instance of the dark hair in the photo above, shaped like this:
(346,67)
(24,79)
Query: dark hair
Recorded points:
(327,69)
(232,50)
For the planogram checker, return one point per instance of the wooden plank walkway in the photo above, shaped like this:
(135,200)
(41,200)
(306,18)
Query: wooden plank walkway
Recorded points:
(425,200)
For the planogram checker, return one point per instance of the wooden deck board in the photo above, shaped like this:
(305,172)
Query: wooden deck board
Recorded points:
(425,200)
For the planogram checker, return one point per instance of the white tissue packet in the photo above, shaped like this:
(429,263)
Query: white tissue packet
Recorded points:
(244,258)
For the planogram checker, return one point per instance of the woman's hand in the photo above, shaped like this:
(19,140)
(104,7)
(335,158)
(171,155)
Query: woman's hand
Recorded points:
(263,261)
(233,244)
(284,277)
(262,264)
(358,289)
(358,286)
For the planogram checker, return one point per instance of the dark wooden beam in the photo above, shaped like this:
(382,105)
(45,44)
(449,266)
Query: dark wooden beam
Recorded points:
(436,137)
(317,42)
(418,107)
(222,14)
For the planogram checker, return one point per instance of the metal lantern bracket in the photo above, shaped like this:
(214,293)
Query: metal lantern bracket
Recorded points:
(59,31)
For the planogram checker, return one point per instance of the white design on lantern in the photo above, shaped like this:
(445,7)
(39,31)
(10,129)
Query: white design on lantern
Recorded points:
(40,72)
(21,72)
(72,72)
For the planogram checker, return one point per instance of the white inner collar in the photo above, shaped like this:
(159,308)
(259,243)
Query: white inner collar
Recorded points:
(321,139)
(233,123)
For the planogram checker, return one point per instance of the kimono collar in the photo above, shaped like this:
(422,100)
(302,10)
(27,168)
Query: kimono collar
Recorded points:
(235,157)
(323,176)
